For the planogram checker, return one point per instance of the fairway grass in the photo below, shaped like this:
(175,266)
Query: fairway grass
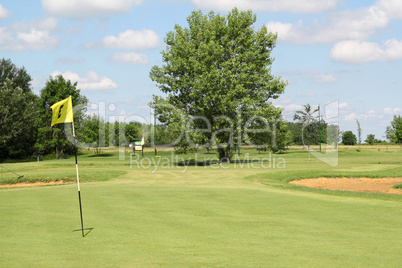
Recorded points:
(203,216)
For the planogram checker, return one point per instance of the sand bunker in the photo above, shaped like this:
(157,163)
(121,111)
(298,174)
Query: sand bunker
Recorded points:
(379,185)
(39,183)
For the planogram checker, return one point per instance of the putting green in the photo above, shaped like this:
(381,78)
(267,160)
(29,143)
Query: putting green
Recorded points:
(205,216)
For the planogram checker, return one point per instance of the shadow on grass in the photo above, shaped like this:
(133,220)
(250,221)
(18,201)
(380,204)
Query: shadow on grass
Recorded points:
(192,162)
(246,161)
(102,155)
(85,229)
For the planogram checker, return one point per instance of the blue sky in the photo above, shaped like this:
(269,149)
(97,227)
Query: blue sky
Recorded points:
(328,50)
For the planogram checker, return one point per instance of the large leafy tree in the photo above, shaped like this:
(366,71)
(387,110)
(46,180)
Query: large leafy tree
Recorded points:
(17,121)
(53,139)
(18,112)
(217,76)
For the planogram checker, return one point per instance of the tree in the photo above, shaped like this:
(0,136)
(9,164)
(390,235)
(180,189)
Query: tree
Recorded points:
(274,135)
(394,132)
(370,139)
(334,135)
(295,129)
(53,139)
(133,130)
(348,138)
(217,73)
(18,76)
(93,133)
(18,112)
(359,133)
(282,138)
(17,121)
(308,120)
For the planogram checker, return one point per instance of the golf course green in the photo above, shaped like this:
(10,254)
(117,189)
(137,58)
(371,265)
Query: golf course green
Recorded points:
(190,211)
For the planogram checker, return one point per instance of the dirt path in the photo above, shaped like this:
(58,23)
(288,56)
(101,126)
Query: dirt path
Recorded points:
(380,185)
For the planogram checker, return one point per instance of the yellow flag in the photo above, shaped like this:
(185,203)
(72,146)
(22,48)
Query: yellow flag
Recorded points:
(62,111)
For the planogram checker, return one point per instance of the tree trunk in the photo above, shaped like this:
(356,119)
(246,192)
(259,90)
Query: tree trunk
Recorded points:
(224,154)
(228,156)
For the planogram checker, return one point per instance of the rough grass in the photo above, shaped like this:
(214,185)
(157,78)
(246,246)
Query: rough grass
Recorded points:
(201,215)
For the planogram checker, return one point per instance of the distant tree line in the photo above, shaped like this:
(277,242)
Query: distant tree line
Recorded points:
(25,120)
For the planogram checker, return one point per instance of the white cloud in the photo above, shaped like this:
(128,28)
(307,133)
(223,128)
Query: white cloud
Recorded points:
(295,6)
(33,35)
(135,40)
(38,83)
(369,115)
(356,24)
(350,117)
(4,13)
(343,105)
(392,111)
(348,30)
(322,78)
(91,80)
(130,58)
(345,25)
(361,51)
(317,76)
(79,9)
(89,45)
(289,108)
(393,8)
(306,94)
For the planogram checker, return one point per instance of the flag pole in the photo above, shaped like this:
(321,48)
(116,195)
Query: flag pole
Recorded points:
(78,182)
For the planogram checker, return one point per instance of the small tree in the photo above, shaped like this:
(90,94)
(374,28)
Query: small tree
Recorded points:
(394,132)
(307,118)
(348,138)
(359,134)
(334,135)
(370,139)
(93,133)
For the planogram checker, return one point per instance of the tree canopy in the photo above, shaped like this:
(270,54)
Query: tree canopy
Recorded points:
(348,138)
(309,128)
(50,138)
(18,76)
(18,112)
(217,74)
(394,132)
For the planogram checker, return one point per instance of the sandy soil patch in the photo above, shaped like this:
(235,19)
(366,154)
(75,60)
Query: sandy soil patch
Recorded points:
(39,183)
(378,185)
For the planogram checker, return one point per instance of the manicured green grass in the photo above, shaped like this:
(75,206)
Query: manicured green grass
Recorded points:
(150,214)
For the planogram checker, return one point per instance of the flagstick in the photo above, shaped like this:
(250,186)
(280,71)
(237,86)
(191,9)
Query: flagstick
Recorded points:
(78,183)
